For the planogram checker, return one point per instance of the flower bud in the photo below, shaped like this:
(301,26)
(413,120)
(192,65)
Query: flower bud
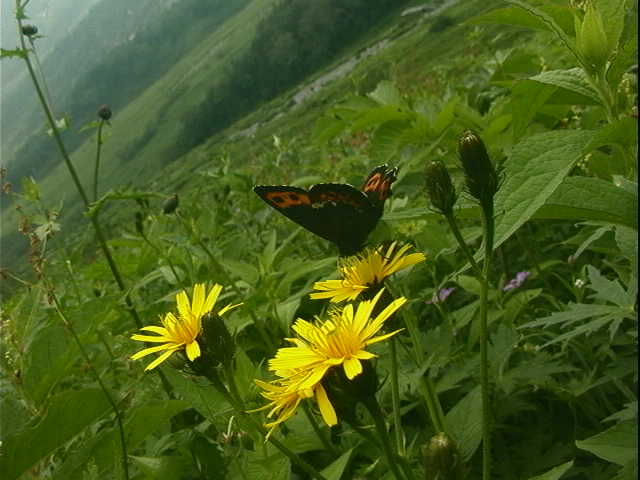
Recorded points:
(29,30)
(439,188)
(441,459)
(345,394)
(104,112)
(218,345)
(481,177)
(170,204)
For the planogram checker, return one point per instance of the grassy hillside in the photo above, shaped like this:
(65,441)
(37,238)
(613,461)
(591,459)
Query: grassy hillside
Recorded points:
(486,327)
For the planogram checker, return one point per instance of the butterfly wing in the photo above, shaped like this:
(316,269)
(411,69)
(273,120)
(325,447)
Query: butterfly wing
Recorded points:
(345,215)
(337,212)
(377,186)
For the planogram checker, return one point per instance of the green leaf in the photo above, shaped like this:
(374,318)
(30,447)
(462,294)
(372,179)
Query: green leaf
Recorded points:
(561,16)
(612,13)
(69,413)
(627,241)
(337,468)
(160,468)
(105,448)
(564,87)
(465,423)
(622,133)
(624,58)
(618,444)
(536,167)
(17,52)
(609,290)
(574,199)
(591,39)
(555,473)
(386,93)
(549,21)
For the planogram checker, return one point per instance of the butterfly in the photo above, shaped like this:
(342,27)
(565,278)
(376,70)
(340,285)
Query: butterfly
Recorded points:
(337,212)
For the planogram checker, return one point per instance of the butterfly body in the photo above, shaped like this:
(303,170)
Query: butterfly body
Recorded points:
(337,212)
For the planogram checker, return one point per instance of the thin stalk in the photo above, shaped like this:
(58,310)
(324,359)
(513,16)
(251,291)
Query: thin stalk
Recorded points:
(75,336)
(97,167)
(488,227)
(222,270)
(376,414)
(318,431)
(74,176)
(238,405)
(395,397)
(453,225)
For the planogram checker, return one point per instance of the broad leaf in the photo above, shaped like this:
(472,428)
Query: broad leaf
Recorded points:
(574,199)
(68,415)
(537,166)
(619,444)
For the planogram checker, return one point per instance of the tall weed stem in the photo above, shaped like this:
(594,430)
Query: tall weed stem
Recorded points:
(69,327)
(488,229)
(72,171)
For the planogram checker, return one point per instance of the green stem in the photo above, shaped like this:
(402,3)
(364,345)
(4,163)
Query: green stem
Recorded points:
(320,434)
(376,413)
(97,167)
(453,225)
(488,226)
(117,412)
(238,405)
(74,176)
(227,279)
(395,397)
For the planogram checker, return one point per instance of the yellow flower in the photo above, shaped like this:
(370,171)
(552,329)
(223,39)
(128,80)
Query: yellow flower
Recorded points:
(339,341)
(181,330)
(285,398)
(363,272)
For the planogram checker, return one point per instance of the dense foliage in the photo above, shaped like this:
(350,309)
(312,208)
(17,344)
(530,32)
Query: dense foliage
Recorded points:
(510,352)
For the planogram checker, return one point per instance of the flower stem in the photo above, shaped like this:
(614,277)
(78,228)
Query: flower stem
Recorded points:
(376,413)
(69,326)
(453,225)
(395,397)
(238,405)
(74,175)
(488,227)
(97,167)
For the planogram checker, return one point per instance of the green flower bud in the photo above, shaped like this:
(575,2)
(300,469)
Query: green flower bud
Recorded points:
(104,112)
(218,344)
(439,188)
(170,204)
(440,457)
(481,177)
(29,30)
(345,394)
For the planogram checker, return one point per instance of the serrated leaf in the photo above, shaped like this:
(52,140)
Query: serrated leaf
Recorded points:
(574,199)
(535,169)
(572,80)
(622,133)
(555,473)
(608,290)
(618,444)
(69,413)
(465,423)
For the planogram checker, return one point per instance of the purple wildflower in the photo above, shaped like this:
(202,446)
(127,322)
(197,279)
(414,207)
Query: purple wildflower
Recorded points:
(441,296)
(517,281)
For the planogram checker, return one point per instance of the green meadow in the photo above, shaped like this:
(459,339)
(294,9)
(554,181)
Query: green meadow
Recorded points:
(438,279)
